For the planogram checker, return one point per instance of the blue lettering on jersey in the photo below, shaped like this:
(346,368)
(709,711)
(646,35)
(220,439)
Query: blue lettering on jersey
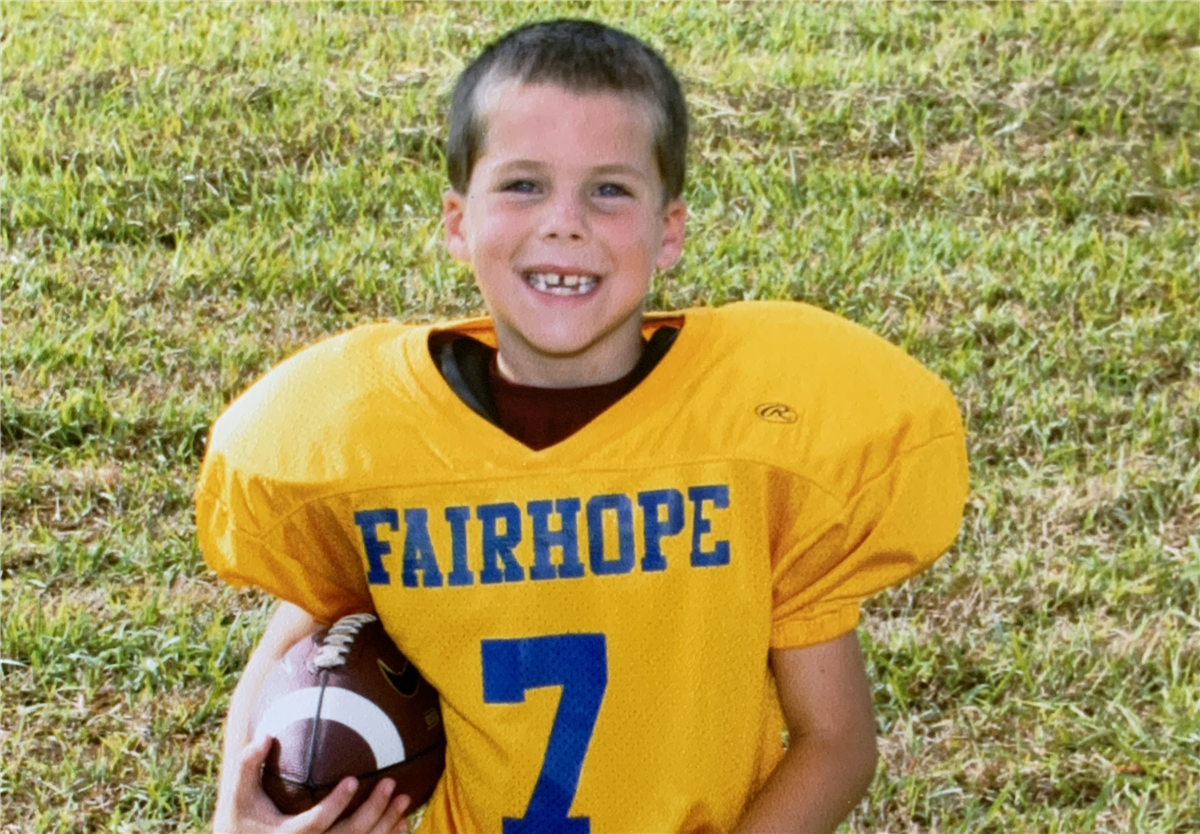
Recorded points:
(718,495)
(596,506)
(501,532)
(368,522)
(566,537)
(497,545)
(460,574)
(418,551)
(655,527)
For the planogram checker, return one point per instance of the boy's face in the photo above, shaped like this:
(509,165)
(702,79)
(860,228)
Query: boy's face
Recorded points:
(564,224)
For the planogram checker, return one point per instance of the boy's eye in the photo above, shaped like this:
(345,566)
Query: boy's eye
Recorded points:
(520,186)
(612,189)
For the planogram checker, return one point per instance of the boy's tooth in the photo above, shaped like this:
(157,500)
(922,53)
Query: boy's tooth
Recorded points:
(555,284)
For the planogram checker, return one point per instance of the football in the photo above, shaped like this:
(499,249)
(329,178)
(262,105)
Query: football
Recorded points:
(346,702)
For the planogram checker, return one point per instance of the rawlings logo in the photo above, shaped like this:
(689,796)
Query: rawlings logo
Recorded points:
(776,413)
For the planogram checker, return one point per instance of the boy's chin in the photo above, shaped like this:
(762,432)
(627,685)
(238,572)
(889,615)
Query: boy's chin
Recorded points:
(580,354)
(565,346)
(573,333)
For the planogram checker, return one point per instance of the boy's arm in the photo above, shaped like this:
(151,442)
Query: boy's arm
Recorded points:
(831,754)
(288,626)
(241,804)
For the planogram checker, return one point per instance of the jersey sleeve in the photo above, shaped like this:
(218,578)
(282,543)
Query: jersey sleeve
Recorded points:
(900,509)
(300,557)
(267,500)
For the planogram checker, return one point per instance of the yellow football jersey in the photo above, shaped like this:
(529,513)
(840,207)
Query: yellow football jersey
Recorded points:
(597,615)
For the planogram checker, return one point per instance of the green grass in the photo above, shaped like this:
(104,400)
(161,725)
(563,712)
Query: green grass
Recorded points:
(1011,192)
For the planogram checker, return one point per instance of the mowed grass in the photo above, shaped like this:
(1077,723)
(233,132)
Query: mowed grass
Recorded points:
(190,192)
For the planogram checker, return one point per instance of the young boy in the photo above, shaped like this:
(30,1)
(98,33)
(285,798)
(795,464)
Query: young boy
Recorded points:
(627,549)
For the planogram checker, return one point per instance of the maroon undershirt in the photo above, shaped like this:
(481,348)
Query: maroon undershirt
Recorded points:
(541,417)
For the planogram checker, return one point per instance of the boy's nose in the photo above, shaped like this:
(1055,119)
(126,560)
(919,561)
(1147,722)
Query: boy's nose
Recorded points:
(564,219)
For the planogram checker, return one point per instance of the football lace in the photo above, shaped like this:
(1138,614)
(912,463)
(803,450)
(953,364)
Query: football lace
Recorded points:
(337,640)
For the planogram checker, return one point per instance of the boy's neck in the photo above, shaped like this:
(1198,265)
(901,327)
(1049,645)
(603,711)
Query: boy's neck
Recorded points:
(610,359)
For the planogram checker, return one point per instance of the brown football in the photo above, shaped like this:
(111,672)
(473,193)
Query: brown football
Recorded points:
(346,702)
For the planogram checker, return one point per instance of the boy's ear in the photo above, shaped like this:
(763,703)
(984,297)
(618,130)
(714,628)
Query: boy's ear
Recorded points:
(454,205)
(674,216)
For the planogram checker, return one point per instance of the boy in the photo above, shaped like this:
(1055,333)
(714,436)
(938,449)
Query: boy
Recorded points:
(626,549)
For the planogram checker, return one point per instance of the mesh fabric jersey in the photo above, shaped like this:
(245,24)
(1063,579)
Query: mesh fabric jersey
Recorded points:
(597,615)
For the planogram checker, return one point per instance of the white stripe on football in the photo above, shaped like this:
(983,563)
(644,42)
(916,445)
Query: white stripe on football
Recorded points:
(343,706)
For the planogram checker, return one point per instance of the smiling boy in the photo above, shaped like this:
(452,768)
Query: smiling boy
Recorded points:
(564,221)
(627,549)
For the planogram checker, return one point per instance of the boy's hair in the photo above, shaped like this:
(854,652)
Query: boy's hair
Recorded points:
(581,56)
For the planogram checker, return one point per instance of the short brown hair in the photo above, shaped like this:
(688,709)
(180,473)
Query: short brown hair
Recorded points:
(581,56)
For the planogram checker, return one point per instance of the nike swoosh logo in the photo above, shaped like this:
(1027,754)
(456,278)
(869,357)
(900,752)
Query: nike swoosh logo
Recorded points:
(406,681)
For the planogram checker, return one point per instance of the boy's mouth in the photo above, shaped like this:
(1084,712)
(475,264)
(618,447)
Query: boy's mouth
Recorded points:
(554,284)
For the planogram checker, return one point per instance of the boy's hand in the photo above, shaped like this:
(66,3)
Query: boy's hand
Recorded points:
(251,811)
(242,806)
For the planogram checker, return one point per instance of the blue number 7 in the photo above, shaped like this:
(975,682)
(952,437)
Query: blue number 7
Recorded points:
(578,663)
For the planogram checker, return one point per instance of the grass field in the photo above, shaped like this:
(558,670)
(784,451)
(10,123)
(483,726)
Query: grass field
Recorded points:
(190,192)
